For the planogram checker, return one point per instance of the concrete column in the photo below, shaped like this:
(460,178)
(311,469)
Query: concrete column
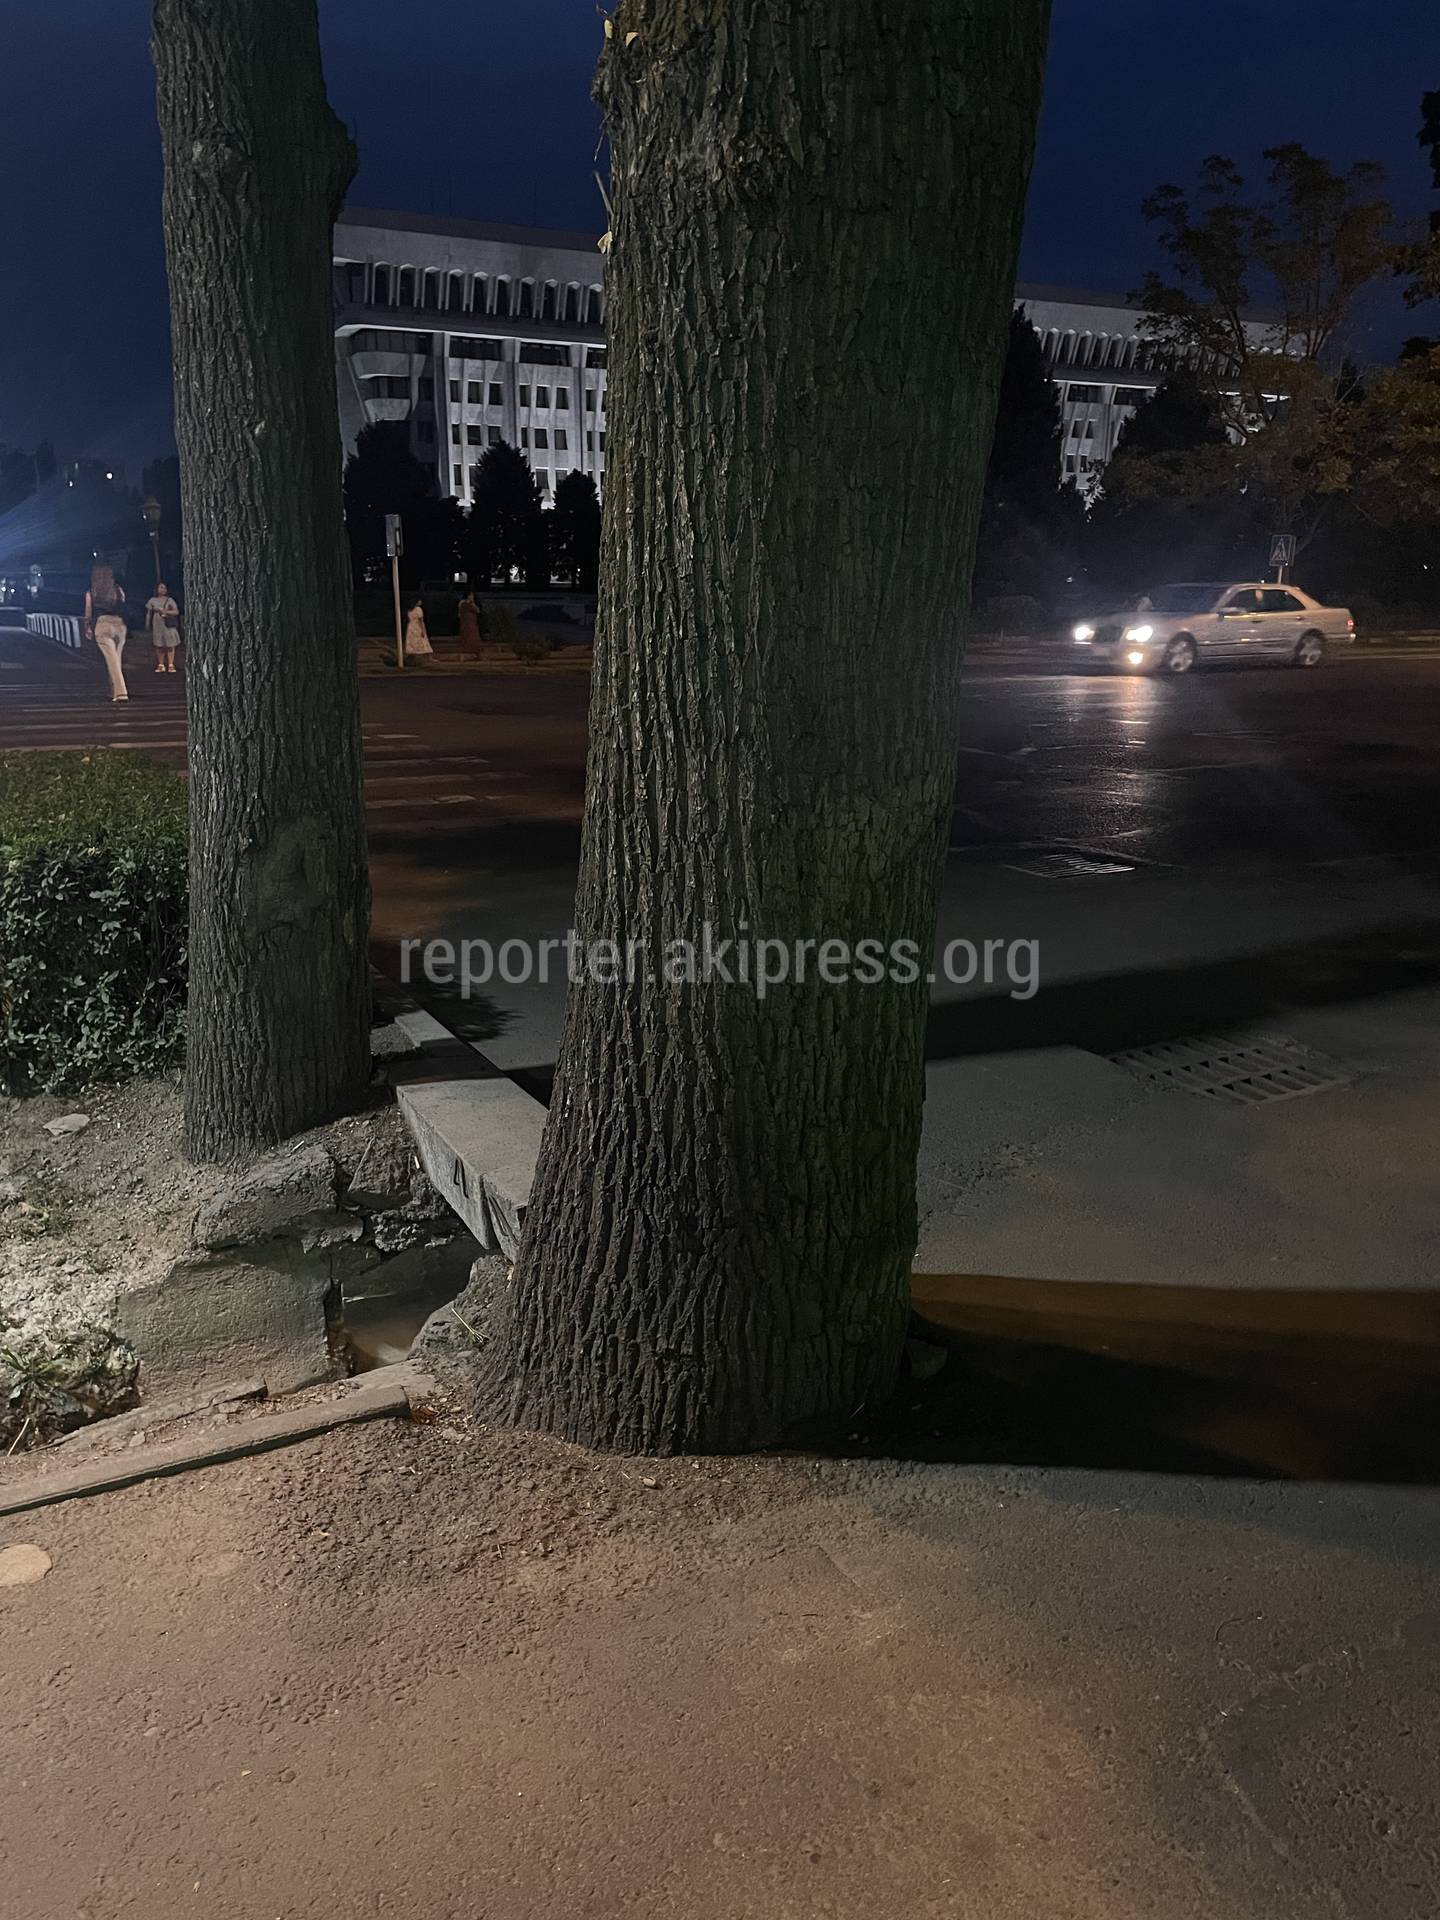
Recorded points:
(512,391)
(580,453)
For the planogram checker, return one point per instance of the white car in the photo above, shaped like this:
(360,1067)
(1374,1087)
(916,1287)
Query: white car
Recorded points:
(1193,622)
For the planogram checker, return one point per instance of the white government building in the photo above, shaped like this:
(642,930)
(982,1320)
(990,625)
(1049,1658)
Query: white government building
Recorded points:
(474,333)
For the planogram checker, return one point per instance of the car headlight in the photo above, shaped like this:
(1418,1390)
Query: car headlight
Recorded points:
(1140,634)
(1082,632)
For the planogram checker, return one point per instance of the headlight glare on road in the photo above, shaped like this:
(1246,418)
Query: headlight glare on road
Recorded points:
(1140,634)
(1084,633)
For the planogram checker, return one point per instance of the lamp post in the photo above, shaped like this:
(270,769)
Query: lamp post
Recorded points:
(151,511)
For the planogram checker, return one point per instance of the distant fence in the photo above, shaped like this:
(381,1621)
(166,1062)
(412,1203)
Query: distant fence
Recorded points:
(64,628)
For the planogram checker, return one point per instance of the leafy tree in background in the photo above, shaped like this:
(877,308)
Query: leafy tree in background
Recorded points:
(256,168)
(1305,249)
(1031,520)
(17,477)
(506,532)
(383,476)
(1144,524)
(575,530)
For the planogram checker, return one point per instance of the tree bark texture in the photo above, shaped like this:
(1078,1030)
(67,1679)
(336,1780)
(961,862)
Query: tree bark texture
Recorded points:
(256,165)
(817,208)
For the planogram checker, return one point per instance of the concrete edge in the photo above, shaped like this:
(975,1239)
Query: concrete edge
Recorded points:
(387,1392)
(477,1132)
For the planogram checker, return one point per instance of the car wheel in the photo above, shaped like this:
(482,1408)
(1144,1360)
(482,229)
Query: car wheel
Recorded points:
(1179,655)
(1311,650)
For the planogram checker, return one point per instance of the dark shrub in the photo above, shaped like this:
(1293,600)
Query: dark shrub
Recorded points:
(531,647)
(93,905)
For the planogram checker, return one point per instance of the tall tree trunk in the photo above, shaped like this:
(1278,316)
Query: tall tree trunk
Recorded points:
(817,207)
(256,166)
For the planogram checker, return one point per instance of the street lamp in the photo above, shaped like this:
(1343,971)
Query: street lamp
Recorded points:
(151,511)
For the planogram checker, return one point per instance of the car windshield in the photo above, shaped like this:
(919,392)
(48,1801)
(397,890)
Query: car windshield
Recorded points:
(1186,596)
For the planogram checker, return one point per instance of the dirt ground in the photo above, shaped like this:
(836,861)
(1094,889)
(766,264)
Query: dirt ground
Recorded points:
(89,1216)
(120,1192)
(432,1670)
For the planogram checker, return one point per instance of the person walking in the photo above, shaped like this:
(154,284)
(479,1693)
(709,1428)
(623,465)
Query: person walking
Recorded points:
(163,614)
(105,624)
(417,636)
(471,625)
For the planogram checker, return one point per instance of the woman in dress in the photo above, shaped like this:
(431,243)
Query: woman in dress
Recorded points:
(105,624)
(417,637)
(471,630)
(164,617)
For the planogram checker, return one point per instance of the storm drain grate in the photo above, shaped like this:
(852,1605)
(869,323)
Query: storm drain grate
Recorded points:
(1248,1073)
(1064,863)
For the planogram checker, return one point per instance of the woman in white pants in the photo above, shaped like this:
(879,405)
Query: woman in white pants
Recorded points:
(105,623)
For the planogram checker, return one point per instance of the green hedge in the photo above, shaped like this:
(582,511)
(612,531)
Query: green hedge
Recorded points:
(93,908)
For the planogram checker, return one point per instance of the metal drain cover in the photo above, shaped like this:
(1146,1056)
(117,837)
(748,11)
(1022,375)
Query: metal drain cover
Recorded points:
(1247,1072)
(1063,863)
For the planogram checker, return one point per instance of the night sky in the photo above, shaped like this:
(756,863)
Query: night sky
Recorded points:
(481,109)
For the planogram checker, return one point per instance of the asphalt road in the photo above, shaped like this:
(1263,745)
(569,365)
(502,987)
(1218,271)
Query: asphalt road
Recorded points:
(1175,834)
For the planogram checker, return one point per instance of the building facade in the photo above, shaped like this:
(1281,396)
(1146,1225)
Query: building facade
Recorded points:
(474,333)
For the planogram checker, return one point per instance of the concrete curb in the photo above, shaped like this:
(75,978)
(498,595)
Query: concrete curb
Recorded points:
(476,1131)
(387,1392)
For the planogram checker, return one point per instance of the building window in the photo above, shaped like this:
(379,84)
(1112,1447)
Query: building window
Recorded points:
(1084,396)
(562,399)
(382,286)
(472,393)
(454,436)
(524,396)
(497,394)
(542,396)
(547,301)
(457,479)
(602,443)
(480,294)
(542,440)
(472,436)
(562,440)
(595,357)
(1131,396)
(454,389)
(492,436)
(525,438)
(455,298)
(405,296)
(525,310)
(589,399)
